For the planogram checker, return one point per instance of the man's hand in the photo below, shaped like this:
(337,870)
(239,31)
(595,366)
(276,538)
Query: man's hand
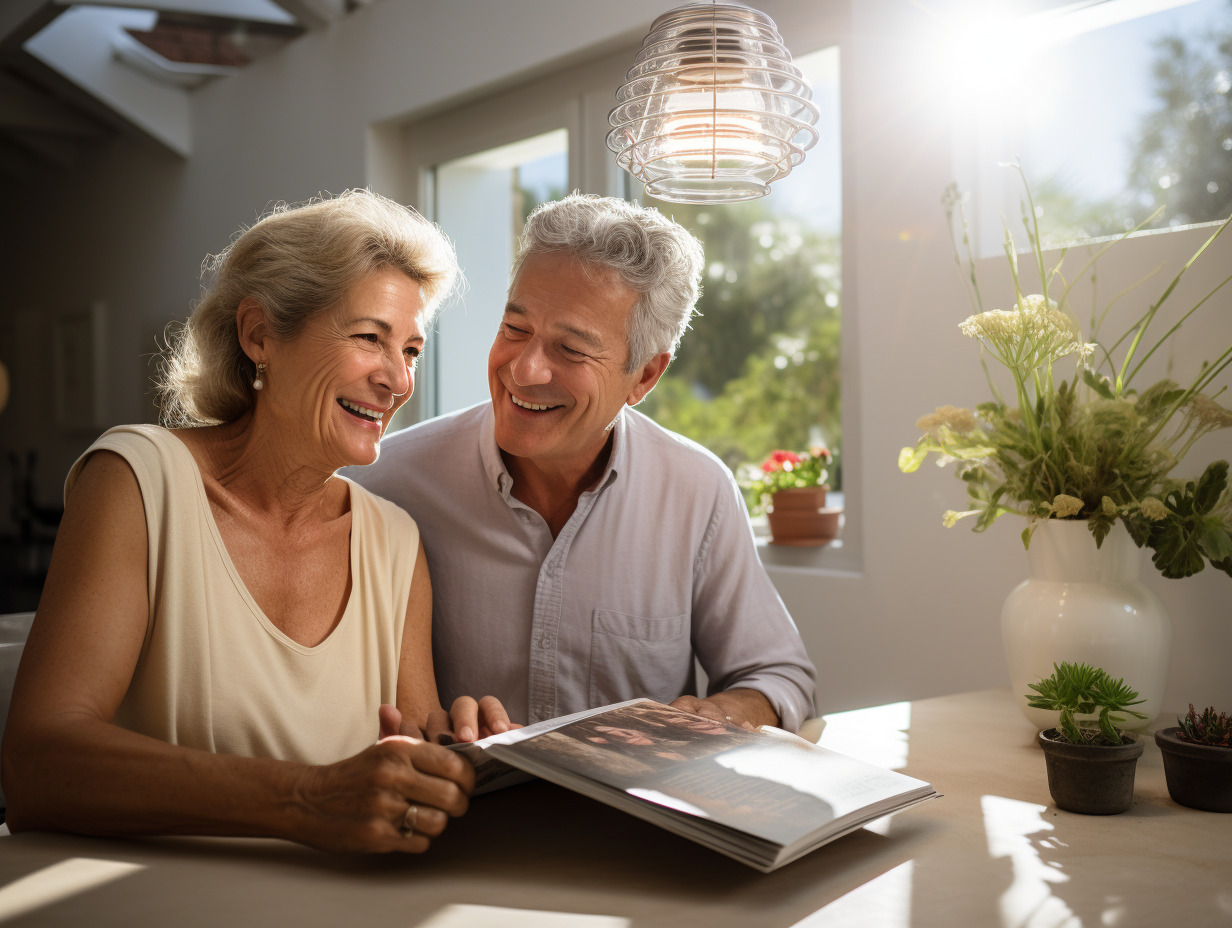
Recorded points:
(747,708)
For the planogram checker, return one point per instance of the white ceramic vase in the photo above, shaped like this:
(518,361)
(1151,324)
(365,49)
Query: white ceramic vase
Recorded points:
(1084,604)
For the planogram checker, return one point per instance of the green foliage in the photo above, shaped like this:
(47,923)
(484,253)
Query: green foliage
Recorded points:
(1183,138)
(1080,689)
(1179,167)
(759,368)
(1072,215)
(1207,728)
(1196,527)
(1089,445)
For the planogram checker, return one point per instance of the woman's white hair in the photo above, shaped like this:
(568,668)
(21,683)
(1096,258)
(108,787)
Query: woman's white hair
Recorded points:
(657,258)
(297,261)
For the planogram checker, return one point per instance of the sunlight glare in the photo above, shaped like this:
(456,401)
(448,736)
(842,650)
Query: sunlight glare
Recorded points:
(877,735)
(59,881)
(990,64)
(1115,914)
(1011,827)
(1224,900)
(668,802)
(483,916)
(985,55)
(884,901)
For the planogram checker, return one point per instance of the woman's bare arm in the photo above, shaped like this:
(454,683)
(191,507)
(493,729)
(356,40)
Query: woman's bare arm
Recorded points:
(67,767)
(417,699)
(419,707)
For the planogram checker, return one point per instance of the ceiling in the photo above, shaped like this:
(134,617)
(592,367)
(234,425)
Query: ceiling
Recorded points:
(73,75)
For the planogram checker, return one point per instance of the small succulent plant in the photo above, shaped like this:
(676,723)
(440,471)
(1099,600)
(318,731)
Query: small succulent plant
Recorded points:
(1207,728)
(1080,689)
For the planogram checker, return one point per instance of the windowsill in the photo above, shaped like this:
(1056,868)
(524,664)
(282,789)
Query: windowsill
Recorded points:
(832,559)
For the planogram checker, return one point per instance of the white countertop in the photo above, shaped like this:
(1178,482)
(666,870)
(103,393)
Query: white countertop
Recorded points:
(993,851)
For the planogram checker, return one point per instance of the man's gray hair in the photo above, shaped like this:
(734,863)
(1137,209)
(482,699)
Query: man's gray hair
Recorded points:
(657,258)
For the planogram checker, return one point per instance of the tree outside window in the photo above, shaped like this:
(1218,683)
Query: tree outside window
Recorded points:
(759,369)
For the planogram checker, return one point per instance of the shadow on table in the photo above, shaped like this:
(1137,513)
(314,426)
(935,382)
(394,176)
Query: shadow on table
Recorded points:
(534,846)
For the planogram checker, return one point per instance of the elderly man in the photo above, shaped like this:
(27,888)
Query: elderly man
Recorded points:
(580,554)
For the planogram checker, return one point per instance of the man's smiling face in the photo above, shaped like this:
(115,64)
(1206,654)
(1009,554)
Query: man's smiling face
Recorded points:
(557,367)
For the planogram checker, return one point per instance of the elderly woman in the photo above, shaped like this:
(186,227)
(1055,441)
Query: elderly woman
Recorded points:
(228,627)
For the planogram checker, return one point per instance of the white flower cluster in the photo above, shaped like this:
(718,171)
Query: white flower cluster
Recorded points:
(1037,330)
(1153,509)
(1207,414)
(953,418)
(1064,506)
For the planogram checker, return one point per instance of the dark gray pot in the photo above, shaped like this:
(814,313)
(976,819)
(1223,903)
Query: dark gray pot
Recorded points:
(1199,775)
(1093,779)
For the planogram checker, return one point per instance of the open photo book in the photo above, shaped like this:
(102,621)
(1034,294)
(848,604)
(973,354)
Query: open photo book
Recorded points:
(763,797)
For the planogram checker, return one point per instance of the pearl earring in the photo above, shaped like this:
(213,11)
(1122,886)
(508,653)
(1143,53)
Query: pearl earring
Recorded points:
(259,383)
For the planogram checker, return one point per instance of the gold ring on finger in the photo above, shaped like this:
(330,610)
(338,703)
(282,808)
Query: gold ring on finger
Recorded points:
(409,820)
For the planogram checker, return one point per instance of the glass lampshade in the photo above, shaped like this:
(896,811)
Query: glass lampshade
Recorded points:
(712,110)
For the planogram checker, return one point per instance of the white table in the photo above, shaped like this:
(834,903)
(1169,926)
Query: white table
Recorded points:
(993,851)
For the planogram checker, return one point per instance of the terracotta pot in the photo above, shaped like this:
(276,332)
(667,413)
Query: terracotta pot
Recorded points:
(1093,779)
(799,517)
(1199,775)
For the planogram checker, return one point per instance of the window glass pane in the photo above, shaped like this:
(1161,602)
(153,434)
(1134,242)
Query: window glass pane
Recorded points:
(759,369)
(481,202)
(1121,108)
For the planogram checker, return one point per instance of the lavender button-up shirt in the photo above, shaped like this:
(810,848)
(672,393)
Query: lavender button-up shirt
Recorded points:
(656,566)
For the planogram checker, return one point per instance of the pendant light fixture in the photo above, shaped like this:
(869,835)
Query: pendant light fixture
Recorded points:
(713,110)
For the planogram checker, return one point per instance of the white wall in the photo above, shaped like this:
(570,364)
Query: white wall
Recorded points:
(131,226)
(924,616)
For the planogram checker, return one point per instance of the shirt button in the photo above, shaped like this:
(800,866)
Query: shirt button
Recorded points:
(545,643)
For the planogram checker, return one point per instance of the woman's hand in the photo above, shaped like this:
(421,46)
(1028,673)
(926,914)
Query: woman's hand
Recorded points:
(397,795)
(392,722)
(469,720)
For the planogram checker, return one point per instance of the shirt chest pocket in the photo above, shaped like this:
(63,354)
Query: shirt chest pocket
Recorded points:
(634,656)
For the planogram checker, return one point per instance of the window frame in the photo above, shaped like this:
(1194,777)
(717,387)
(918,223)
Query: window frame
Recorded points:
(578,98)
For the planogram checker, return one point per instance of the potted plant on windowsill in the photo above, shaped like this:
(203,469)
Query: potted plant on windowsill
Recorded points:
(1198,760)
(791,489)
(1090,767)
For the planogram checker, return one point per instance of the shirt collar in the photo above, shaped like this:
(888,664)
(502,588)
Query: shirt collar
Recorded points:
(489,453)
(619,457)
(498,474)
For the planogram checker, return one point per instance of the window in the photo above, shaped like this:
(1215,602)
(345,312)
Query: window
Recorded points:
(481,202)
(1115,109)
(760,368)
(477,170)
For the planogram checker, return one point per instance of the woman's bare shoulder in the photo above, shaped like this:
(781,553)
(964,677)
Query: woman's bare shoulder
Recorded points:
(103,472)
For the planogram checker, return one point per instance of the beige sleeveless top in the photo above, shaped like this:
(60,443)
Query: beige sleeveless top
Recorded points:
(214,672)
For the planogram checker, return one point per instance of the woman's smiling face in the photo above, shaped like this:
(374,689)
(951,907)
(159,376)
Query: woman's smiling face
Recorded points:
(339,382)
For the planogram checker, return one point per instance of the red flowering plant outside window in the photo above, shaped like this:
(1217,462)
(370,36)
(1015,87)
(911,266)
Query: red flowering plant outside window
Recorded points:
(784,470)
